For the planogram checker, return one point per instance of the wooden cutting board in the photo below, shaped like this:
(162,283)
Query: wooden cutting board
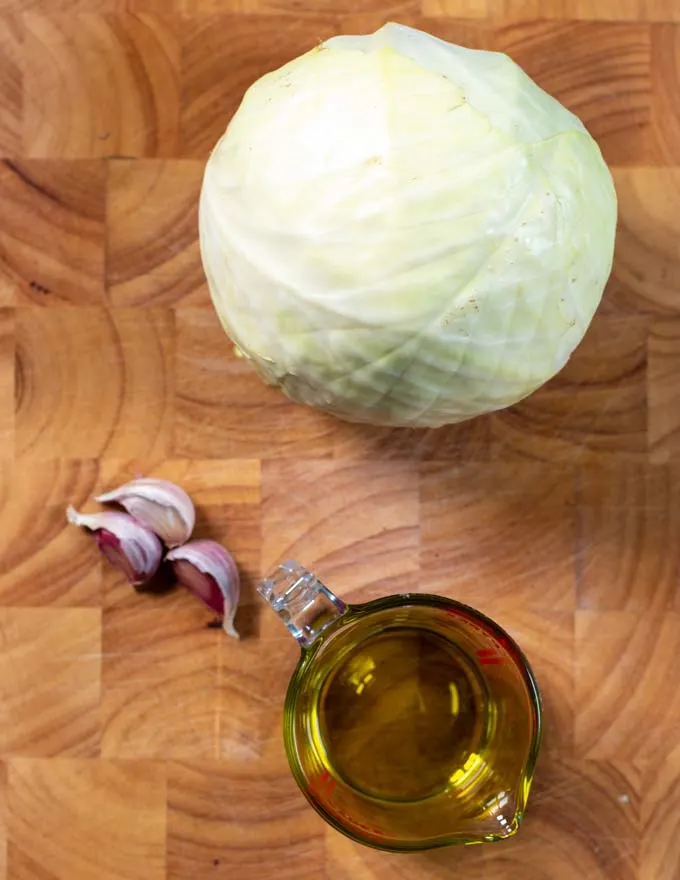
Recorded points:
(135,742)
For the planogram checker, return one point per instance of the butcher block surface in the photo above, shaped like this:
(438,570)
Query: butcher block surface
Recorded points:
(137,743)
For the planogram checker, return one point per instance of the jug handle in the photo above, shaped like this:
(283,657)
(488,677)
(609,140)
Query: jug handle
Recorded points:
(303,603)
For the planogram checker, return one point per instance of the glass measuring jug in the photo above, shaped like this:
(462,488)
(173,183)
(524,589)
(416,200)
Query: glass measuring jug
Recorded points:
(410,722)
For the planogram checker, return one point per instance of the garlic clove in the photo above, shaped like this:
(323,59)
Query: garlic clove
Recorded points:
(208,571)
(159,504)
(130,546)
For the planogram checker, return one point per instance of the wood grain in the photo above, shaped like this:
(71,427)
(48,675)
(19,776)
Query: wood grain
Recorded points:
(548,638)
(223,409)
(118,399)
(594,410)
(60,7)
(152,254)
(373,509)
(628,556)
(52,241)
(660,815)
(602,72)
(97,818)
(625,660)
(290,8)
(11,96)
(100,86)
(160,649)
(135,740)
(647,261)
(50,685)
(478,9)
(499,531)
(3,820)
(45,562)
(225,821)
(666,88)
(7,383)
(222,55)
(467,441)
(588,10)
(663,393)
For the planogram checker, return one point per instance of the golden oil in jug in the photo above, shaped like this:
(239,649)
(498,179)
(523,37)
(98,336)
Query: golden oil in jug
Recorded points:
(411,721)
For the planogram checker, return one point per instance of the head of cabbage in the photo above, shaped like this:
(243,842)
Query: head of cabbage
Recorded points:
(403,231)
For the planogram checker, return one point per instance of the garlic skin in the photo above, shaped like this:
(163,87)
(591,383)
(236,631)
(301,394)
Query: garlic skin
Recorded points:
(159,504)
(129,545)
(208,571)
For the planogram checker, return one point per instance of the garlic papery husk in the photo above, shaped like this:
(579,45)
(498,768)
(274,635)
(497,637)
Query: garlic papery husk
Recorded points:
(208,571)
(129,545)
(159,504)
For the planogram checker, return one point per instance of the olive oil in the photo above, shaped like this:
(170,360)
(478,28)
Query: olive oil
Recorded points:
(410,721)
(401,715)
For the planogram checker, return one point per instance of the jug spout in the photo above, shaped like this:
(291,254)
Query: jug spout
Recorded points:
(303,603)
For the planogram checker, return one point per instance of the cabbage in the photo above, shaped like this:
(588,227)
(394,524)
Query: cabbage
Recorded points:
(403,231)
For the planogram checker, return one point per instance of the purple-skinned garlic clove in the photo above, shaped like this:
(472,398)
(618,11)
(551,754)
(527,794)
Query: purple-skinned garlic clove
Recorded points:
(129,546)
(208,571)
(159,504)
